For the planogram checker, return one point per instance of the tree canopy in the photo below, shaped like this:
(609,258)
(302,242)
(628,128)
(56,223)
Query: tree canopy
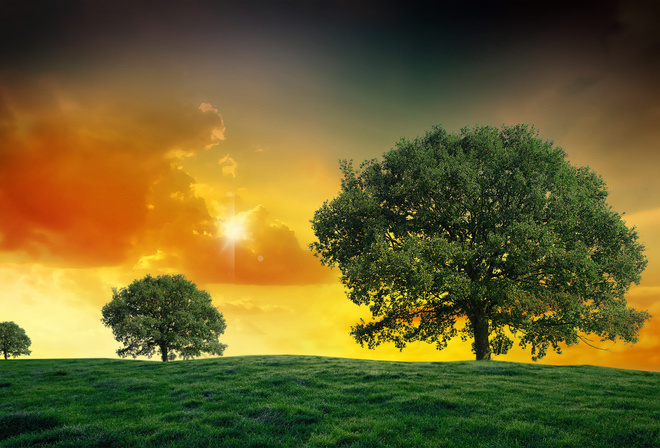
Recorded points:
(167,313)
(13,340)
(491,229)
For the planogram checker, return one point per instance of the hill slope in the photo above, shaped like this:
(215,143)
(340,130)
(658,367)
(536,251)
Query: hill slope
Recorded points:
(323,402)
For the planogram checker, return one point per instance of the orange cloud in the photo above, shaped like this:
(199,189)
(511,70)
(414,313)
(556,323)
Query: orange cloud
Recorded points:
(273,254)
(66,194)
(98,182)
(262,253)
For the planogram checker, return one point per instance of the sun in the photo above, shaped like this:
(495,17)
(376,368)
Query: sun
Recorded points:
(234,229)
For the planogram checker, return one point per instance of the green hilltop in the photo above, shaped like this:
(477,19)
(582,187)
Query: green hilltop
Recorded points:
(291,401)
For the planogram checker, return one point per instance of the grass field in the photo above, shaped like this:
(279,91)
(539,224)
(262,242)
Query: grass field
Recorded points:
(289,401)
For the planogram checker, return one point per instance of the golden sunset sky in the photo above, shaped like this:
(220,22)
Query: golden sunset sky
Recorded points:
(199,137)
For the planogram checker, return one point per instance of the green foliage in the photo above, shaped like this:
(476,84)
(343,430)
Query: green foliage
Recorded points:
(493,227)
(167,313)
(296,401)
(13,340)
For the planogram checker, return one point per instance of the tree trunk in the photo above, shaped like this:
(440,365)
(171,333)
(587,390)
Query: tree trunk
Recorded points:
(481,343)
(163,352)
(5,355)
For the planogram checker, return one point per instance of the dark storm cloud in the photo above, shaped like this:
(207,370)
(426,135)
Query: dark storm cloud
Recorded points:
(33,30)
(409,49)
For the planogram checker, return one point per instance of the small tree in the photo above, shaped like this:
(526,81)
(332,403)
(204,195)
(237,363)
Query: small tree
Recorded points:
(491,226)
(167,313)
(13,340)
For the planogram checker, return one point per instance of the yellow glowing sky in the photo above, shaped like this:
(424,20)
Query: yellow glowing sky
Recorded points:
(199,138)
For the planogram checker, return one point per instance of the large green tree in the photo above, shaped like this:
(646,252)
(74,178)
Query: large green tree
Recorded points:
(13,340)
(490,227)
(167,313)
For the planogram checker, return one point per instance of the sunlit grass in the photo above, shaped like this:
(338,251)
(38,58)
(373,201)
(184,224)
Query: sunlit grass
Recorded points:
(283,401)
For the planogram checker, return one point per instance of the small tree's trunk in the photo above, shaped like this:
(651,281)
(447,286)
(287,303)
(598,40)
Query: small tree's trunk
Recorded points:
(5,355)
(481,344)
(163,351)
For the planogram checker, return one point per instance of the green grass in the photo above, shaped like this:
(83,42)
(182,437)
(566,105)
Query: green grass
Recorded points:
(288,401)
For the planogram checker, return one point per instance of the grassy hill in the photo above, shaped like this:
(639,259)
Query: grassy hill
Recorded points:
(278,401)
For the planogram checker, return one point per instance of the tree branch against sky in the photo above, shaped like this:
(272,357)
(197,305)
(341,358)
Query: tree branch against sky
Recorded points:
(489,225)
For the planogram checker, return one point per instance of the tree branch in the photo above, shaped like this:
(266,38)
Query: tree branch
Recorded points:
(588,342)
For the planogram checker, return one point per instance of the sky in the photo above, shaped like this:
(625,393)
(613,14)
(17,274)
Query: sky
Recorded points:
(199,138)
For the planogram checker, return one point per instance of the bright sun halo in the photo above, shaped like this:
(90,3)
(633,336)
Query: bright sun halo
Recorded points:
(234,229)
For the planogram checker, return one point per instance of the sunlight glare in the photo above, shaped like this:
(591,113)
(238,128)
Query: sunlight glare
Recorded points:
(234,229)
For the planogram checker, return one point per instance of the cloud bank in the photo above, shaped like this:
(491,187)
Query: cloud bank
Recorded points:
(102,183)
